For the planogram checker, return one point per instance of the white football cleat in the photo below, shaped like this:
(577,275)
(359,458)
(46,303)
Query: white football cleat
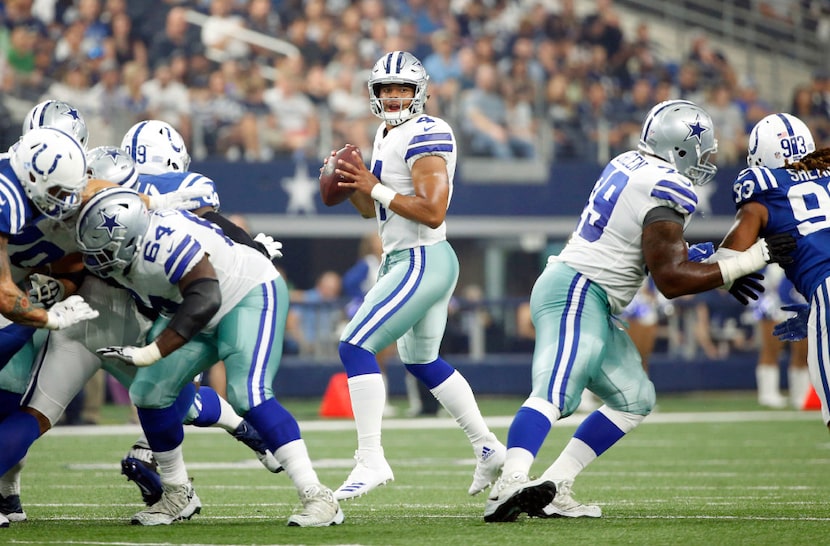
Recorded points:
(370,471)
(4,522)
(490,460)
(565,506)
(319,508)
(511,495)
(177,502)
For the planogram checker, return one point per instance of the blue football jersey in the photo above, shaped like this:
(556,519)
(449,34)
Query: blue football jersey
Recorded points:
(15,209)
(799,204)
(161,184)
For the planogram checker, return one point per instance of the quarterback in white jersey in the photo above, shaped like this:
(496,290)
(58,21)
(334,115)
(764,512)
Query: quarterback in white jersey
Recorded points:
(408,191)
(217,300)
(632,224)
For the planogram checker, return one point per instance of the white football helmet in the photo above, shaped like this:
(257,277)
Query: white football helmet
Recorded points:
(398,67)
(682,133)
(112,164)
(779,139)
(51,167)
(156,147)
(110,229)
(58,114)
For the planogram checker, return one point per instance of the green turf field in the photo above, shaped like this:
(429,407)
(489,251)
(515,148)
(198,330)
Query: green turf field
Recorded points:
(703,469)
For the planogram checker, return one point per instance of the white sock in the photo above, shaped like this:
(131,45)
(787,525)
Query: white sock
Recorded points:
(573,459)
(228,418)
(171,466)
(799,379)
(10,481)
(294,458)
(767,377)
(457,398)
(518,460)
(368,395)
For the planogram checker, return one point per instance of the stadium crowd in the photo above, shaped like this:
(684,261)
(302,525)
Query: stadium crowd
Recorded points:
(505,73)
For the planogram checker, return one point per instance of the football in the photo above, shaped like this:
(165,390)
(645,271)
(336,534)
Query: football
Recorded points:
(331,193)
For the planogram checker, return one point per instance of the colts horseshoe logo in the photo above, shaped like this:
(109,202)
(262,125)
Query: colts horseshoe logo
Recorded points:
(51,168)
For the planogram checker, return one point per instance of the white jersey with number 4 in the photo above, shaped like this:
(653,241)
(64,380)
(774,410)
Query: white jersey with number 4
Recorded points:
(393,155)
(174,243)
(607,244)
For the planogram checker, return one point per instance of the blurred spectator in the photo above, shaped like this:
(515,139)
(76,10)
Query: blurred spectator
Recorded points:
(296,116)
(320,312)
(632,112)
(352,122)
(712,65)
(522,127)
(73,87)
(688,83)
(20,54)
(133,100)
(601,138)
(484,120)
(562,117)
(730,125)
(168,100)
(177,35)
(444,71)
(95,30)
(218,33)
(812,112)
(752,106)
(260,17)
(217,113)
(123,46)
(602,28)
(70,46)
(104,110)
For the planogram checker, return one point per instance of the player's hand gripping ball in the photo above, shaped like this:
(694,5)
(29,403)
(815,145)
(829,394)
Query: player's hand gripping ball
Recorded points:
(331,193)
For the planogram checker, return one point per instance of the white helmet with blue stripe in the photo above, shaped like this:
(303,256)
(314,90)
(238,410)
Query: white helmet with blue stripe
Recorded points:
(156,147)
(58,114)
(777,140)
(398,67)
(681,133)
(51,167)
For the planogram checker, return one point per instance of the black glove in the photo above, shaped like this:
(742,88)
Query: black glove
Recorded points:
(780,247)
(747,287)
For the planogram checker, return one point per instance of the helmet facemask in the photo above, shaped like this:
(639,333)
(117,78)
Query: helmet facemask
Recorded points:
(398,67)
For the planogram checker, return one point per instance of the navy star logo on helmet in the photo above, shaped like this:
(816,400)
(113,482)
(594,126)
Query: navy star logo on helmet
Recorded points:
(696,129)
(109,222)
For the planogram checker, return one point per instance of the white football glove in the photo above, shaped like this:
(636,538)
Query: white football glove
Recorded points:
(44,291)
(185,199)
(70,311)
(272,247)
(139,357)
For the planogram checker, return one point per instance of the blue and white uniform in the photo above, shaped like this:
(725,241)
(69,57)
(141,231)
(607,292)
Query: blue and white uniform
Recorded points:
(595,276)
(797,203)
(419,270)
(254,300)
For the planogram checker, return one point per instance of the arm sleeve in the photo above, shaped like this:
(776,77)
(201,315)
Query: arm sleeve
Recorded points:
(663,214)
(200,301)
